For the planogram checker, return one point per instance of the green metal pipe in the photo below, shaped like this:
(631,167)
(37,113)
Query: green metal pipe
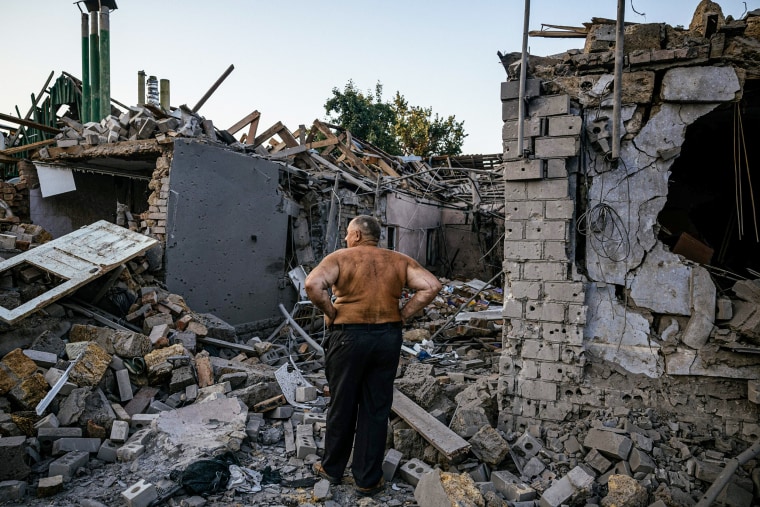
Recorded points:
(140,87)
(105,63)
(94,68)
(165,100)
(84,113)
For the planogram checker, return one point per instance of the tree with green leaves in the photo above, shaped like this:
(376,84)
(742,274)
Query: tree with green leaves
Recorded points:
(395,127)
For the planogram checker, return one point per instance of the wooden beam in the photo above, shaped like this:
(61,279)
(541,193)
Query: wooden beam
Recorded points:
(245,121)
(4,159)
(252,131)
(29,123)
(267,134)
(304,147)
(556,34)
(30,146)
(431,429)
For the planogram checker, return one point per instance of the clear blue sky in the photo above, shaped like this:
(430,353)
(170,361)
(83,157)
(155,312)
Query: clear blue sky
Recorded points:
(288,56)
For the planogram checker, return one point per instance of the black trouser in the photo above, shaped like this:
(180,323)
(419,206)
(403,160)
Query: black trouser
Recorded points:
(360,368)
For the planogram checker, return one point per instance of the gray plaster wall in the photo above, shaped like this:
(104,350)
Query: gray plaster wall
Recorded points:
(94,199)
(226,234)
(412,220)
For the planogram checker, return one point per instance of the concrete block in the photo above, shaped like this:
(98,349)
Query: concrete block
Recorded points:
(306,393)
(65,445)
(391,463)
(547,189)
(40,358)
(511,89)
(321,490)
(610,444)
(700,84)
(641,462)
(129,451)
(49,486)
(282,412)
(724,309)
(570,292)
(734,495)
(119,431)
(413,470)
(12,491)
(52,376)
(535,349)
(252,428)
(68,464)
(12,458)
(49,421)
(549,105)
(533,468)
(525,290)
(305,443)
(538,390)
(532,127)
(125,386)
(557,147)
(140,494)
(523,210)
(46,436)
(140,421)
(544,271)
(429,491)
(513,489)
(545,311)
(527,446)
(156,407)
(489,446)
(524,169)
(556,168)
(565,125)
(141,436)
(547,230)
(523,250)
(107,452)
(596,461)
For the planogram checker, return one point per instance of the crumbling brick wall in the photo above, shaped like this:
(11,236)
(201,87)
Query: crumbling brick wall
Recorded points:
(153,221)
(543,355)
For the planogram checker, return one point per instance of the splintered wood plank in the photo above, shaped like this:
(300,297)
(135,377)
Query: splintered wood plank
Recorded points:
(434,431)
(77,258)
(251,135)
(31,146)
(267,134)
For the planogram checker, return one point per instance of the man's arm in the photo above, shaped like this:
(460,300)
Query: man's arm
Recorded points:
(317,287)
(426,287)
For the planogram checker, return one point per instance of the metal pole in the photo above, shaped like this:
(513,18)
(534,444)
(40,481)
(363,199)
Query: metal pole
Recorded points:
(105,62)
(618,81)
(213,88)
(523,76)
(85,112)
(94,68)
(140,87)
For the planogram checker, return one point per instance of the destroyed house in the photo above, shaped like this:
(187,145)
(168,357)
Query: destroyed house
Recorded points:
(632,280)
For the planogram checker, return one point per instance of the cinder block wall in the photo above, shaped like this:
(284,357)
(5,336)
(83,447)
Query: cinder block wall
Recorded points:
(543,359)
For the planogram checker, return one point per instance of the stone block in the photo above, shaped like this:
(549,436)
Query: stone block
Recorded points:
(12,463)
(641,462)
(68,464)
(29,391)
(612,445)
(700,84)
(624,490)
(489,446)
(90,369)
(119,431)
(140,494)
(124,384)
(49,486)
(413,470)
(511,89)
(107,452)
(12,491)
(753,391)
(391,463)
(305,443)
(557,147)
(524,169)
(68,444)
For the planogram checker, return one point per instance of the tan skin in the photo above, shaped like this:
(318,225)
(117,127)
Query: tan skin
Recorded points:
(367,281)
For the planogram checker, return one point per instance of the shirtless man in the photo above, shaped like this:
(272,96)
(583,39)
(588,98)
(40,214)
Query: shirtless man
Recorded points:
(364,344)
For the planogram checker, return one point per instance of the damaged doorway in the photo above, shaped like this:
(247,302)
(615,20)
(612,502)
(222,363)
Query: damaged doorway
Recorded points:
(712,213)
